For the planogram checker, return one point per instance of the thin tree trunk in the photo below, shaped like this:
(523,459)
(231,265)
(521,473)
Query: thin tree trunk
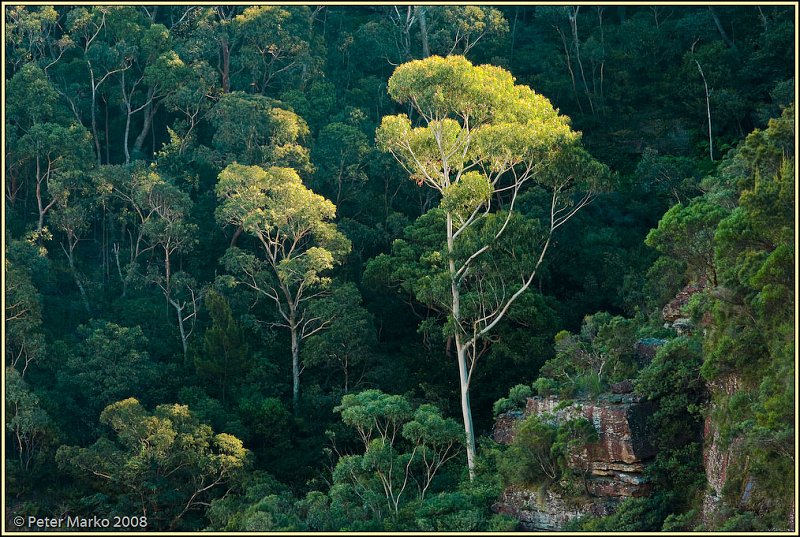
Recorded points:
(466,409)
(295,366)
(84,297)
(763,19)
(573,21)
(225,67)
(149,112)
(108,145)
(423,31)
(40,224)
(184,338)
(127,132)
(127,119)
(179,311)
(721,30)
(463,369)
(569,67)
(236,236)
(94,115)
(708,111)
(513,37)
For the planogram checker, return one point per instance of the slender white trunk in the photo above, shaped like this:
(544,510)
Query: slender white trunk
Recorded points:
(466,409)
(708,112)
(127,134)
(184,337)
(461,352)
(94,114)
(149,112)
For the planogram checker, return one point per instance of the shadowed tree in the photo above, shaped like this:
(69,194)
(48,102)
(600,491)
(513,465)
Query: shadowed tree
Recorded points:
(225,357)
(297,240)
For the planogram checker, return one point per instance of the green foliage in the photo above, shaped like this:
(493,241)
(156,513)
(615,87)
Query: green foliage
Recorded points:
(471,192)
(588,362)
(633,514)
(20,110)
(122,120)
(517,398)
(225,357)
(387,467)
(686,234)
(349,339)
(750,338)
(164,464)
(296,236)
(672,379)
(341,151)
(24,340)
(108,363)
(33,432)
(542,449)
(253,130)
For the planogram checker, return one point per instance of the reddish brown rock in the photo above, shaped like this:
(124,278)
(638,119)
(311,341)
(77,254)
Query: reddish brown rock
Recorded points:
(716,457)
(614,466)
(673,311)
(619,420)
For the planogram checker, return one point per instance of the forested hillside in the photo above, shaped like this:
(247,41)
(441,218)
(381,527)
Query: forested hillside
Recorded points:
(282,268)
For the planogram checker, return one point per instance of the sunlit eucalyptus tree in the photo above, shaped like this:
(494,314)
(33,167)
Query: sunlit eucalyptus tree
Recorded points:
(478,139)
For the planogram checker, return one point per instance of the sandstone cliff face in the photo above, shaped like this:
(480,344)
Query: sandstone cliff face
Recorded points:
(544,510)
(615,464)
(716,459)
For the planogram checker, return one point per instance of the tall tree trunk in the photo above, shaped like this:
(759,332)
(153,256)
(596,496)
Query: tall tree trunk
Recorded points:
(573,22)
(108,144)
(295,365)
(181,327)
(569,68)
(708,112)
(461,352)
(94,114)
(513,37)
(40,223)
(466,409)
(78,283)
(149,112)
(127,133)
(225,67)
(423,30)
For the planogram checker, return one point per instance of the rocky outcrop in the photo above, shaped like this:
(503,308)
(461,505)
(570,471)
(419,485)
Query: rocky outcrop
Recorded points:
(619,419)
(546,510)
(717,457)
(674,308)
(674,312)
(614,465)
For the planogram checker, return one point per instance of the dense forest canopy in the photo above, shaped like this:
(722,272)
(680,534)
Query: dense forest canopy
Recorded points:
(280,268)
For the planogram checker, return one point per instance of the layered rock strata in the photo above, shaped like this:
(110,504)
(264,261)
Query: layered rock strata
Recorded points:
(615,464)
